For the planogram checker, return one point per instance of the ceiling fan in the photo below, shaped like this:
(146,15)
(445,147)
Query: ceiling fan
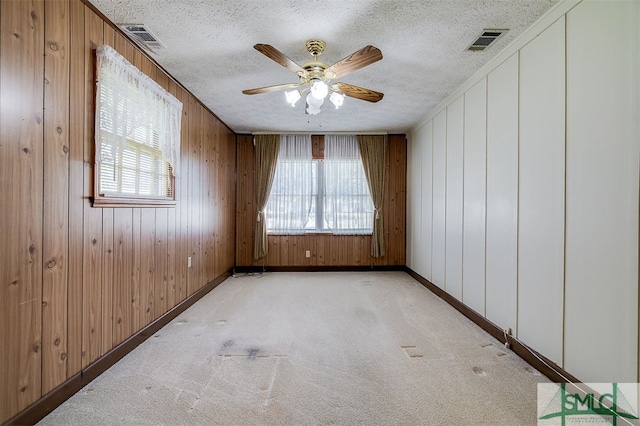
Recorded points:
(317,76)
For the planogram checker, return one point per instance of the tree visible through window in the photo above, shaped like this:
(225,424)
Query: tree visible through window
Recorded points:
(137,135)
(319,195)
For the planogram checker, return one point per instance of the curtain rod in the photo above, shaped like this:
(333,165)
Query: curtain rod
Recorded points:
(319,133)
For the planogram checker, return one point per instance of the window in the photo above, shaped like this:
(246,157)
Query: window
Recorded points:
(137,135)
(319,195)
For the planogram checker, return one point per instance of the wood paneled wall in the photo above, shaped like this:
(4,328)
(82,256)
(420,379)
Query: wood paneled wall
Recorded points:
(326,250)
(75,281)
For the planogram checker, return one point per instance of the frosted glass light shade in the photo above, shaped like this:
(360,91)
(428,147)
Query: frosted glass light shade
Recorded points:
(319,89)
(292,96)
(337,99)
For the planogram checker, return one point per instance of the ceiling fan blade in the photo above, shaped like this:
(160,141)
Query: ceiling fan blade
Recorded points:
(270,88)
(360,59)
(360,92)
(274,54)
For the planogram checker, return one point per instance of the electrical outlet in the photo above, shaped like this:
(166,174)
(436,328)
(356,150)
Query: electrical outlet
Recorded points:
(189,262)
(308,253)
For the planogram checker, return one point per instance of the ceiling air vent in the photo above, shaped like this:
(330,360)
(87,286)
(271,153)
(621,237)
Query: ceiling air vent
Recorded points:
(486,39)
(143,36)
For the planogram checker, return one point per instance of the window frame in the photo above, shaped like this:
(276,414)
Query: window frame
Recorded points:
(102,198)
(319,193)
(116,199)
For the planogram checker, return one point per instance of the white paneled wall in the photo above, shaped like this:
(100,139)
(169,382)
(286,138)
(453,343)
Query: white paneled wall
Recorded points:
(541,195)
(453,208)
(502,194)
(474,196)
(413,199)
(601,278)
(421,258)
(526,187)
(439,198)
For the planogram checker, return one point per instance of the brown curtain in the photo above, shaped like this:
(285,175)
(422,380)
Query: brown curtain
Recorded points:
(267,147)
(373,149)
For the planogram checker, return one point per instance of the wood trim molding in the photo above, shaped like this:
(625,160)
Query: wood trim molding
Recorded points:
(49,402)
(541,363)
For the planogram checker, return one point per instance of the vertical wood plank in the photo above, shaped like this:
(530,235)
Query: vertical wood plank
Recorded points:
(107,280)
(171,258)
(160,269)
(230,159)
(245,202)
(123,266)
(195,202)
(92,218)
(21,192)
(174,234)
(182,196)
(76,189)
(147,265)
(56,195)
(207,223)
(398,199)
(136,317)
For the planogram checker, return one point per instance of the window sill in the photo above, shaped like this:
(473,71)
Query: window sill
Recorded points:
(103,202)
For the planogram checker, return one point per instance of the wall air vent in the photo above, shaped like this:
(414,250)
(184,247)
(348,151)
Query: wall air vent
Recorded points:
(143,36)
(486,39)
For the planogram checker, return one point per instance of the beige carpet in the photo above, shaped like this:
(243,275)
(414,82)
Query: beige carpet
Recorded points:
(349,348)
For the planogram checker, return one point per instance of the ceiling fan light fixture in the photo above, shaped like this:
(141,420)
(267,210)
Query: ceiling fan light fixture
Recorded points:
(319,89)
(292,96)
(315,77)
(337,99)
(313,110)
(313,104)
(313,101)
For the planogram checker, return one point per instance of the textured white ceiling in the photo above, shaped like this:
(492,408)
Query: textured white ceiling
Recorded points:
(210,51)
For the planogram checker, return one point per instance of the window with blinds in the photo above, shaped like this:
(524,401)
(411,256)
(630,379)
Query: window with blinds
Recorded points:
(137,135)
(328,195)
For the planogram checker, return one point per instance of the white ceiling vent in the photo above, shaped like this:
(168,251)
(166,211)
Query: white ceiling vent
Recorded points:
(485,39)
(143,36)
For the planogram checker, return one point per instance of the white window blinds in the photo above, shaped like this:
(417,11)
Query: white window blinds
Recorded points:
(137,130)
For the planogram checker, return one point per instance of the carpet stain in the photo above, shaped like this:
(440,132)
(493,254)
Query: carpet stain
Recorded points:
(479,371)
(499,352)
(252,353)
(412,351)
(227,344)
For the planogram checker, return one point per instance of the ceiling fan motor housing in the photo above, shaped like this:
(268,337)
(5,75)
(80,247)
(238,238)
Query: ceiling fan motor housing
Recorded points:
(315,47)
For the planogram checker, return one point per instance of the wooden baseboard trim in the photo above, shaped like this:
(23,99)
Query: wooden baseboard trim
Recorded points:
(541,363)
(317,268)
(49,402)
